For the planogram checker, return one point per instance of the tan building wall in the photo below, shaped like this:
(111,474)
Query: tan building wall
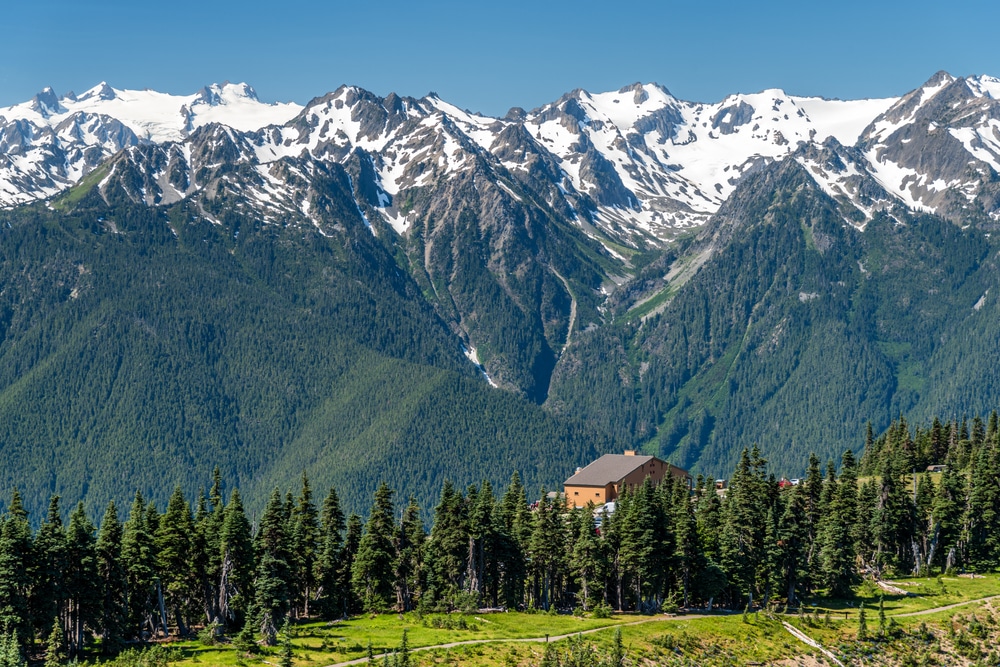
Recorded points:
(579,496)
(654,469)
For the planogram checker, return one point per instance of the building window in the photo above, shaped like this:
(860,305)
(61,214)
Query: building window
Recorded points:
(576,493)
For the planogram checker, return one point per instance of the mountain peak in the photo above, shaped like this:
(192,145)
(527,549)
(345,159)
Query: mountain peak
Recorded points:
(46,102)
(101,91)
(225,93)
(940,77)
(984,86)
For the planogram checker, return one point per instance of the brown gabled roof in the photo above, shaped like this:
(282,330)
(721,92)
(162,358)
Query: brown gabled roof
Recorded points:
(607,469)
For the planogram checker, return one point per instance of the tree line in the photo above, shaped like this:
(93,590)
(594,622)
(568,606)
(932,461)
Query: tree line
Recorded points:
(208,563)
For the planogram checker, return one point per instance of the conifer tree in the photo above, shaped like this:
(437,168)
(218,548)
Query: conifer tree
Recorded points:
(352,539)
(479,570)
(408,572)
(793,535)
(175,554)
(982,520)
(138,557)
(238,563)
(274,573)
(305,545)
(946,520)
(372,572)
(513,530)
(10,650)
(813,489)
(113,580)
(447,548)
(285,655)
(644,552)
(55,646)
(16,555)
(46,568)
(546,550)
(891,520)
(588,562)
(688,556)
(743,525)
(328,557)
(773,553)
(81,582)
(836,539)
(209,520)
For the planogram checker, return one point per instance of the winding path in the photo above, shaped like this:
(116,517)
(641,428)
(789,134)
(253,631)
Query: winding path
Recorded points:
(552,638)
(798,634)
(935,610)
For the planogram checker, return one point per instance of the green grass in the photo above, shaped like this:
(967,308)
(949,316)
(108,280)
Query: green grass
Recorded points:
(650,304)
(328,643)
(716,640)
(928,593)
(72,196)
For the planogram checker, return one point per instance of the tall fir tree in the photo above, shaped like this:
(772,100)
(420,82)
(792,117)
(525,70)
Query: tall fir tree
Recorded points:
(138,556)
(16,557)
(372,572)
(305,547)
(113,580)
(273,583)
(329,555)
(837,573)
(408,568)
(81,582)
(236,573)
(46,569)
(447,548)
(349,600)
(175,555)
(587,559)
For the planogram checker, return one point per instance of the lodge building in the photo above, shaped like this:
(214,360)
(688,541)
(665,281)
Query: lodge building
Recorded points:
(601,481)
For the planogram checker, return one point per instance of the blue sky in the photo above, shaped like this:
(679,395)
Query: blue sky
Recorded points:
(491,56)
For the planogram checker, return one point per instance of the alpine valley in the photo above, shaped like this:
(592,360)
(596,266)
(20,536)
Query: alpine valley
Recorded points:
(395,289)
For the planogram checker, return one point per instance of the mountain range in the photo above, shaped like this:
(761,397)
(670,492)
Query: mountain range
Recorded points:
(222,280)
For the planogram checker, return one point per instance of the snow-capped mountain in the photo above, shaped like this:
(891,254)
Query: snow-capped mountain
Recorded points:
(49,143)
(637,163)
(938,148)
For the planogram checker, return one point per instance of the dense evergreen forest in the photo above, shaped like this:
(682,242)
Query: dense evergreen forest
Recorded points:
(793,310)
(151,346)
(144,346)
(208,563)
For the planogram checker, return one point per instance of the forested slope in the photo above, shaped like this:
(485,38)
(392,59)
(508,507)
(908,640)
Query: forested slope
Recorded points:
(140,347)
(796,331)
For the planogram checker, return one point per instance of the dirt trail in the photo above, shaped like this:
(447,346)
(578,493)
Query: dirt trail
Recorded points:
(935,610)
(798,634)
(552,638)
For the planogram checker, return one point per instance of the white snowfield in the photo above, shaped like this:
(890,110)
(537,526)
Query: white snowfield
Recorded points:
(640,161)
(157,117)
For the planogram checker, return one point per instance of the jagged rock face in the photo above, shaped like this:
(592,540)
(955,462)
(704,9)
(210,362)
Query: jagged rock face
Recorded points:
(514,219)
(637,164)
(938,148)
(58,141)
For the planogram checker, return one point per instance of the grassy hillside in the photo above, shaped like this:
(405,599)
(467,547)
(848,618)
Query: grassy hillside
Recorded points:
(918,630)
